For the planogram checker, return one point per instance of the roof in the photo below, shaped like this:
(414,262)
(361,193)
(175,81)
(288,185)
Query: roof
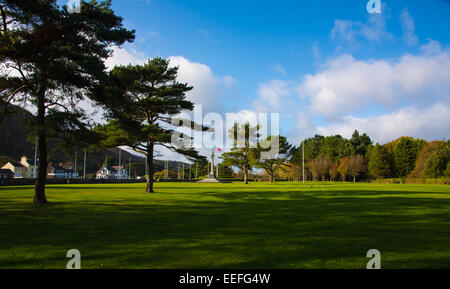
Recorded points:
(6,171)
(109,168)
(54,168)
(112,169)
(16,164)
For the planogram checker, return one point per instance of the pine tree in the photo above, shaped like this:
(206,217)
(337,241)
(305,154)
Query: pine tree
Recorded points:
(272,164)
(144,102)
(360,143)
(244,137)
(405,154)
(379,164)
(55,59)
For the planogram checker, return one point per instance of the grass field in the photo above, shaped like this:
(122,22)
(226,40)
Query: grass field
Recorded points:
(284,225)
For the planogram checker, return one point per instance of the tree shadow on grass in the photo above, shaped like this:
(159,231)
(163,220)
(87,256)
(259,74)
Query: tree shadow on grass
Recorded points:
(234,229)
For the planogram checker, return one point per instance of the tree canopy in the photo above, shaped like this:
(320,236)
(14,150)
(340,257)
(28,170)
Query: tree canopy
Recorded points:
(144,101)
(54,59)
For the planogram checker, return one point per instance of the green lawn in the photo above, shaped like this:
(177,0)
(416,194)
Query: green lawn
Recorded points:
(285,225)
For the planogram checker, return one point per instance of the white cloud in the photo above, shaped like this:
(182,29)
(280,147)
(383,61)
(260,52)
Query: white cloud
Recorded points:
(280,69)
(315,50)
(207,90)
(408,28)
(304,128)
(229,80)
(272,95)
(432,47)
(351,32)
(122,56)
(346,85)
(431,123)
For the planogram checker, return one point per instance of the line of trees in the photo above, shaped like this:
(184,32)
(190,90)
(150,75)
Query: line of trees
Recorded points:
(249,151)
(336,158)
(52,60)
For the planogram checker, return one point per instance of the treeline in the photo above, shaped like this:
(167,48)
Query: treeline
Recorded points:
(337,158)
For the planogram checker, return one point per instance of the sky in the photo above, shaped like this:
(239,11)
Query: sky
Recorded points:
(328,67)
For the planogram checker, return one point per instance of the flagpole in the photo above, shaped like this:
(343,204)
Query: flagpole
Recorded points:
(303,153)
(167,170)
(84,165)
(35,159)
(129,169)
(75,166)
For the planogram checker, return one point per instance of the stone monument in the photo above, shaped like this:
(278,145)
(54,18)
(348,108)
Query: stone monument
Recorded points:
(212,176)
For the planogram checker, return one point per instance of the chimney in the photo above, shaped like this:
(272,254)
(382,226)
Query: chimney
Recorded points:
(24,161)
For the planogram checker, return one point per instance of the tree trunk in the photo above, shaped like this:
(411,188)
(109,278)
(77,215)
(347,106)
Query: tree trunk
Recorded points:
(272,177)
(150,149)
(39,186)
(354,179)
(245,175)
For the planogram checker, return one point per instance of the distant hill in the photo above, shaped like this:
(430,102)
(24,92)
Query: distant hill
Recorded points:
(13,142)
(14,145)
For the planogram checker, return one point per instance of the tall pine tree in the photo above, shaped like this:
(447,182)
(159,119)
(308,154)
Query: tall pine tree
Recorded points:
(143,103)
(244,137)
(55,59)
(272,164)
(379,164)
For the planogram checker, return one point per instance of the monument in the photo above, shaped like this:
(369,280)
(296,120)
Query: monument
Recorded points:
(212,176)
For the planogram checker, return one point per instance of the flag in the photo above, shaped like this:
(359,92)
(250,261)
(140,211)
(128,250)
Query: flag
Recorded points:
(219,150)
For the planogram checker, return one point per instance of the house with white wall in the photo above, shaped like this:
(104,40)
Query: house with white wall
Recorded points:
(112,172)
(29,166)
(17,168)
(22,169)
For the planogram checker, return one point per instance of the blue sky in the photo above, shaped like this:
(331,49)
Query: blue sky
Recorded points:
(326,66)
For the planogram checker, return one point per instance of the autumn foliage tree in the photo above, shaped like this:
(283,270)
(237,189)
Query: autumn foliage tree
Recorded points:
(438,163)
(423,157)
(343,168)
(356,166)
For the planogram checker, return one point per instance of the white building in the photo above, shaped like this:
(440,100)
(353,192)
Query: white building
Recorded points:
(21,170)
(30,168)
(112,172)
